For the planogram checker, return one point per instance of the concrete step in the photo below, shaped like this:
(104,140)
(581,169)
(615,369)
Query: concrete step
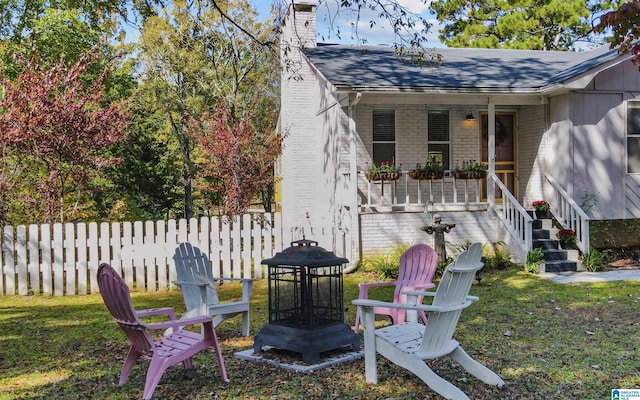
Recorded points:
(560,266)
(554,254)
(540,234)
(556,258)
(545,244)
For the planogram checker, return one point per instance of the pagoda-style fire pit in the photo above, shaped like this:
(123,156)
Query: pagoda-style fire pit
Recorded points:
(306,306)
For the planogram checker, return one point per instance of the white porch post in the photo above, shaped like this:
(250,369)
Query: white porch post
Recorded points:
(491,155)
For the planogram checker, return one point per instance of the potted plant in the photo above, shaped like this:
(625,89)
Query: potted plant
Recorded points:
(567,238)
(469,170)
(432,169)
(542,209)
(386,171)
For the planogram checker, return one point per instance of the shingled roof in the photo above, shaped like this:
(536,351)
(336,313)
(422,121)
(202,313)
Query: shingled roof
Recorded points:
(377,68)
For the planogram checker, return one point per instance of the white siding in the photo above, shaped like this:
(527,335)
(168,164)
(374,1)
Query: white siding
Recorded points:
(532,125)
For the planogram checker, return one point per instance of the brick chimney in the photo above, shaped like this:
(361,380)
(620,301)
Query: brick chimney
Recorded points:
(298,30)
(299,25)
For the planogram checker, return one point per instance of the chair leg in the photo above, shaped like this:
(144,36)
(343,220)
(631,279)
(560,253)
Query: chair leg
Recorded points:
(420,368)
(129,362)
(156,369)
(218,350)
(476,369)
(245,323)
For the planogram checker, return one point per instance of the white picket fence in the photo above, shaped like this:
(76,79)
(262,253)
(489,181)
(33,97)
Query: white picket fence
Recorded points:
(63,259)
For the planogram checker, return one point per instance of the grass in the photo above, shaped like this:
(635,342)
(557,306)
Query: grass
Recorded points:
(546,340)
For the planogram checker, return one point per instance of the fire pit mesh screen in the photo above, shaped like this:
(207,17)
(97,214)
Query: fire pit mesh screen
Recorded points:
(306,297)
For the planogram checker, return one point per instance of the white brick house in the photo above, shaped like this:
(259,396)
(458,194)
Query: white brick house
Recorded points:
(558,126)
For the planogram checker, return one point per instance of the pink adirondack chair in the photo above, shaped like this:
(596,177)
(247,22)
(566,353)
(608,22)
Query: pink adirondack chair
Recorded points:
(417,266)
(178,347)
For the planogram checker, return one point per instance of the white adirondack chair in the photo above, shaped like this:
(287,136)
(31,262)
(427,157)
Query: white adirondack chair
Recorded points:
(195,278)
(411,344)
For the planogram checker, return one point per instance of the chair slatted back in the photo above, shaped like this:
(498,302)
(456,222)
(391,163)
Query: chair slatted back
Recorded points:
(117,298)
(452,291)
(417,264)
(194,266)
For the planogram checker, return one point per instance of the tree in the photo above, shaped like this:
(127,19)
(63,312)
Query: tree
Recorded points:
(625,27)
(517,24)
(235,159)
(192,58)
(59,128)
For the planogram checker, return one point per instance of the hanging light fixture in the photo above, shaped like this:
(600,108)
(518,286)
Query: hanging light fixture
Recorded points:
(470,117)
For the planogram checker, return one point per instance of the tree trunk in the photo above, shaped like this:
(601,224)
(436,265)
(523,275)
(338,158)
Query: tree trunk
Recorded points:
(185,147)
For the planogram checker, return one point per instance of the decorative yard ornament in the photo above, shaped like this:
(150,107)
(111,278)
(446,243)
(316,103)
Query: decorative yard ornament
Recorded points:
(438,229)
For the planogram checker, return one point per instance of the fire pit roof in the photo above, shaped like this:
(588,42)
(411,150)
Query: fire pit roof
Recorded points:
(305,253)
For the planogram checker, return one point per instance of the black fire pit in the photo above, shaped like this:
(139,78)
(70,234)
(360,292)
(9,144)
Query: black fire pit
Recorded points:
(306,307)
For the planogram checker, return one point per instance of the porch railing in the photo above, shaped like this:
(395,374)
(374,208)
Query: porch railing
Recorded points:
(408,192)
(514,217)
(569,214)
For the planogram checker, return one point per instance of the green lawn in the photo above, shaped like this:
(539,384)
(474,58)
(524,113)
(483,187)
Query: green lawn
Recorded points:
(547,341)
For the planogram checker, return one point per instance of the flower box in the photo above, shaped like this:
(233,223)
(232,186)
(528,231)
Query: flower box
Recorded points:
(469,174)
(469,170)
(382,176)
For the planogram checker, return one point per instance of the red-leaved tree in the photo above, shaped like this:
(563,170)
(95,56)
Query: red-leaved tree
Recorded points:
(625,26)
(236,161)
(59,128)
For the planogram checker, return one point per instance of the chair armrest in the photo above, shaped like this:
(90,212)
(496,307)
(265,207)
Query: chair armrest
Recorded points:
(364,287)
(411,307)
(247,286)
(157,311)
(180,322)
(432,294)
(419,288)
(180,283)
(376,284)
(234,279)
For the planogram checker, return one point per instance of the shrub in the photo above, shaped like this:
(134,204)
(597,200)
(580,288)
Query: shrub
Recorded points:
(594,260)
(387,265)
(496,257)
(533,260)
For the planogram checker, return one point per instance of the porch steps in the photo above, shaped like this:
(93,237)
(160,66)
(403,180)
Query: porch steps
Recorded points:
(556,259)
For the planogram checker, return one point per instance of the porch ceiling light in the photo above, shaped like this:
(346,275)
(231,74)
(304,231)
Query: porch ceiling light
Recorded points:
(470,117)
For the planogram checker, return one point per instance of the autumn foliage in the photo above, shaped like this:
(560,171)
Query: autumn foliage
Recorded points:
(236,161)
(626,30)
(59,128)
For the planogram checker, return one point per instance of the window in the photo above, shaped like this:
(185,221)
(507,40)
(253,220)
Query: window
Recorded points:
(384,135)
(633,137)
(438,139)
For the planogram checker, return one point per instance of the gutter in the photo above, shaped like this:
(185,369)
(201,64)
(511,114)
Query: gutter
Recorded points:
(353,170)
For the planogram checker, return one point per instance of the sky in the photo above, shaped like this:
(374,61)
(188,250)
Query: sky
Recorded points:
(381,33)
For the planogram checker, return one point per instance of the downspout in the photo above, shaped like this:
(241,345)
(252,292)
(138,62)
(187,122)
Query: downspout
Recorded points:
(353,174)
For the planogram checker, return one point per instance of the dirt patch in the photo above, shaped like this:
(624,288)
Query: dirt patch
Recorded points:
(623,258)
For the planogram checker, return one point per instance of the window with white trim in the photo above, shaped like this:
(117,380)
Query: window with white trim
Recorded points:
(633,137)
(384,135)
(438,136)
